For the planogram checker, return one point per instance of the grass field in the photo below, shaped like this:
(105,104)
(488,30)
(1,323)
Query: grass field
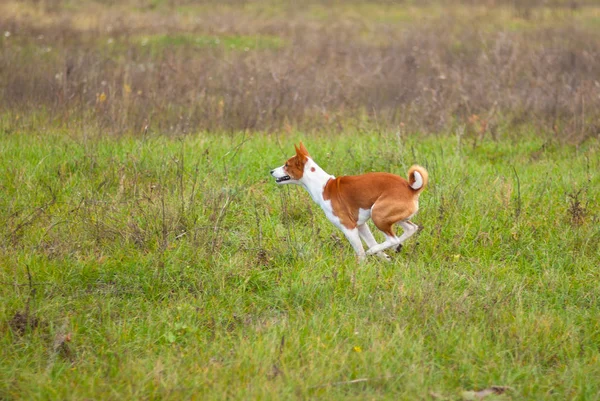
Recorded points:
(178,269)
(146,253)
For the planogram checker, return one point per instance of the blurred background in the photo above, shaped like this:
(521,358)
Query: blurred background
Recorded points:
(177,66)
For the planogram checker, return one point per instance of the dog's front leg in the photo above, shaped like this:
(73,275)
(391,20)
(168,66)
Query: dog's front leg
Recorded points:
(354,238)
(367,236)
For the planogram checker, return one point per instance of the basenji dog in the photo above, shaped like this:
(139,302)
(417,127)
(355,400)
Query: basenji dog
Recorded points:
(349,201)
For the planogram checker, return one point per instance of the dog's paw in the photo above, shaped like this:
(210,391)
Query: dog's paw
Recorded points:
(384,256)
(399,248)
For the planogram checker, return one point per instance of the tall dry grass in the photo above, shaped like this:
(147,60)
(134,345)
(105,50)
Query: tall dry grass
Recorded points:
(122,68)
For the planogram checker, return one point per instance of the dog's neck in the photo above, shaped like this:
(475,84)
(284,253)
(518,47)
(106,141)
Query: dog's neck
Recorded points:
(314,180)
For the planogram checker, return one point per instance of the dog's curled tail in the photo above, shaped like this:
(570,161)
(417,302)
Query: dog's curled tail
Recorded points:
(417,177)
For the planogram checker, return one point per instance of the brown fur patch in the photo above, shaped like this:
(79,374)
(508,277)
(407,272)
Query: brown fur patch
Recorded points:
(390,197)
(294,167)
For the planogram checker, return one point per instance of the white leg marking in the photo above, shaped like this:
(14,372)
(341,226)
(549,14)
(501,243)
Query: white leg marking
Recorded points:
(388,243)
(409,228)
(367,236)
(354,238)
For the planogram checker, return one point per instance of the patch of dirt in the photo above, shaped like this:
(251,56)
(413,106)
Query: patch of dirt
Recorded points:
(21,322)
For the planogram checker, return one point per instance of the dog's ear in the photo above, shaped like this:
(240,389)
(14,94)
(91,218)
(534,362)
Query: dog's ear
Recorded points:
(301,151)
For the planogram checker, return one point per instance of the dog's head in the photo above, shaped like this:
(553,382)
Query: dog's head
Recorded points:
(293,170)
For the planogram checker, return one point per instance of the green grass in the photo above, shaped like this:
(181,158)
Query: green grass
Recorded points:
(180,270)
(228,42)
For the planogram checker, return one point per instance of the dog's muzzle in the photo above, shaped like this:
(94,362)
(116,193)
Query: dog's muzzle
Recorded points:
(280,179)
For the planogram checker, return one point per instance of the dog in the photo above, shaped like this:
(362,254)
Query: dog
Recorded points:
(349,201)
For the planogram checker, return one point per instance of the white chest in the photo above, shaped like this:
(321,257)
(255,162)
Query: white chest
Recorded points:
(329,213)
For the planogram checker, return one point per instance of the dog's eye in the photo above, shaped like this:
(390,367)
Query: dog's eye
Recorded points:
(286,165)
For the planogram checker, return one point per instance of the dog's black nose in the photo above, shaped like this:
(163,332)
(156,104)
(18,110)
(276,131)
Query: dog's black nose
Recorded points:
(272,172)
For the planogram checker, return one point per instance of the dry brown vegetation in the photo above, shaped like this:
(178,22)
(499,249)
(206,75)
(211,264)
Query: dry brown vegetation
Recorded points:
(179,67)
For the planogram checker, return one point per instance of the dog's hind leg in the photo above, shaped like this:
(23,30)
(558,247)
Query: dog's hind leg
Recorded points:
(410,229)
(393,240)
(413,228)
(389,242)
(367,236)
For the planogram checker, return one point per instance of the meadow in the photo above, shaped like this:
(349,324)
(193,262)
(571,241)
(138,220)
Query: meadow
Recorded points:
(146,253)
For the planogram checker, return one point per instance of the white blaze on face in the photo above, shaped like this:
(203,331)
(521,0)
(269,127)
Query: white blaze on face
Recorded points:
(281,177)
